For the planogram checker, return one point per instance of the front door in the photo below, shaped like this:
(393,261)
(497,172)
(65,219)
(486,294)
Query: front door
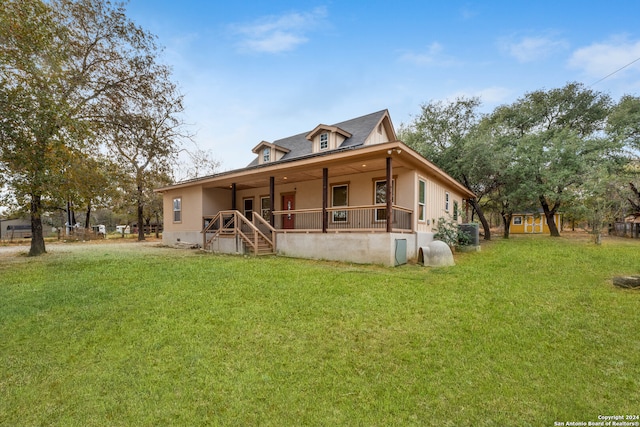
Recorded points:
(288,204)
(248,209)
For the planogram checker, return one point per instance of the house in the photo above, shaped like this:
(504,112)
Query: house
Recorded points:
(532,223)
(321,194)
(15,229)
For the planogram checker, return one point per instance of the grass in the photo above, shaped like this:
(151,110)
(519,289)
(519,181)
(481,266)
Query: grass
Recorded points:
(527,332)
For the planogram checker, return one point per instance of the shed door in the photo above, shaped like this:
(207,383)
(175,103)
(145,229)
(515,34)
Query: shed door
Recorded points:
(288,204)
(528,224)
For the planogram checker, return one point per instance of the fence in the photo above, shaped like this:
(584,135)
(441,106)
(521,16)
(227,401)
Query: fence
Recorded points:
(626,229)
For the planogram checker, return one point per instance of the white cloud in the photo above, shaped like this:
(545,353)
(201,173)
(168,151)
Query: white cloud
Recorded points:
(276,34)
(488,96)
(432,56)
(467,13)
(602,59)
(529,49)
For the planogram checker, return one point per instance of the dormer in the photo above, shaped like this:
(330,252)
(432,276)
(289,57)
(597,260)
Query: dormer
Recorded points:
(326,138)
(269,152)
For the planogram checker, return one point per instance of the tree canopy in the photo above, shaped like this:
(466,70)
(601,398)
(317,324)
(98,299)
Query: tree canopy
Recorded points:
(63,65)
(549,148)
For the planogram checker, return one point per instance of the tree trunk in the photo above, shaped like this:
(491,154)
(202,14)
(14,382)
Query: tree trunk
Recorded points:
(37,237)
(549,214)
(87,221)
(140,204)
(506,222)
(481,217)
(478,210)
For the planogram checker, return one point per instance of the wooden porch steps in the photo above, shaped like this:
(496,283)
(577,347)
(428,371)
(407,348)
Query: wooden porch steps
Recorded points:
(227,224)
(264,248)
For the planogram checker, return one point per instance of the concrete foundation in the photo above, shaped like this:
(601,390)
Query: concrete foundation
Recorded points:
(170,238)
(360,248)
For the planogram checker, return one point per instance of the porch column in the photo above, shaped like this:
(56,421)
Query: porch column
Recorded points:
(325,197)
(272,199)
(388,195)
(233,196)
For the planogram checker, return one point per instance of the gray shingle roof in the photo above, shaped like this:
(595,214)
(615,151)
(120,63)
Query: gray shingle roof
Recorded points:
(359,128)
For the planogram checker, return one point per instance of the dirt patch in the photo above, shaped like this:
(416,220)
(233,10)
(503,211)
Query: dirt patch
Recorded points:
(62,246)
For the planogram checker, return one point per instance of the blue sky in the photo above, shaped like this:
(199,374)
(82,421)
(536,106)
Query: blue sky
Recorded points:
(263,70)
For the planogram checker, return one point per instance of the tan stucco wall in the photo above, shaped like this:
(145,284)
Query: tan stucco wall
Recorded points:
(308,194)
(361,191)
(191,209)
(215,200)
(187,230)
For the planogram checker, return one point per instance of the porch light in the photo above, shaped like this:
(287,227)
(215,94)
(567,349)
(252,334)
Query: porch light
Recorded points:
(284,177)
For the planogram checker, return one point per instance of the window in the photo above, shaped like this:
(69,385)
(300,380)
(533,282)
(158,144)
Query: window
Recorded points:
(324,141)
(446,202)
(177,209)
(266,155)
(380,197)
(339,197)
(517,220)
(265,208)
(422,197)
(455,210)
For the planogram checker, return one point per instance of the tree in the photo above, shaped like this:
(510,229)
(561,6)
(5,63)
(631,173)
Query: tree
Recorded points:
(624,123)
(556,137)
(624,126)
(60,61)
(34,114)
(446,134)
(198,163)
(144,133)
(600,198)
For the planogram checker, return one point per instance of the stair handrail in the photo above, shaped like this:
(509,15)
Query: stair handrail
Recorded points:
(256,232)
(233,224)
(258,218)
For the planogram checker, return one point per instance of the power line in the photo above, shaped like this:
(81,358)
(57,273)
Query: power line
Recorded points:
(611,74)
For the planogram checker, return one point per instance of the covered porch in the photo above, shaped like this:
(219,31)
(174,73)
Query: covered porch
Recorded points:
(321,194)
(340,191)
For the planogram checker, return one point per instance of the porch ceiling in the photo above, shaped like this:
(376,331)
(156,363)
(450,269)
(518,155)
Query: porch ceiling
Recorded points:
(299,173)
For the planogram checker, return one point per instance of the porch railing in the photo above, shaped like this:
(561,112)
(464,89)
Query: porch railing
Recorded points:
(343,219)
(257,233)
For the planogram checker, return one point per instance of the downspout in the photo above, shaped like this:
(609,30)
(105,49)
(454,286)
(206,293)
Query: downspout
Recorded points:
(325,188)
(388,196)
(272,199)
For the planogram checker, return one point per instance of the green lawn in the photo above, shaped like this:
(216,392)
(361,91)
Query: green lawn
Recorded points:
(529,331)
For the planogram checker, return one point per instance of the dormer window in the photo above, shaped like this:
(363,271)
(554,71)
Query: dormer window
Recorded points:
(324,141)
(269,153)
(325,138)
